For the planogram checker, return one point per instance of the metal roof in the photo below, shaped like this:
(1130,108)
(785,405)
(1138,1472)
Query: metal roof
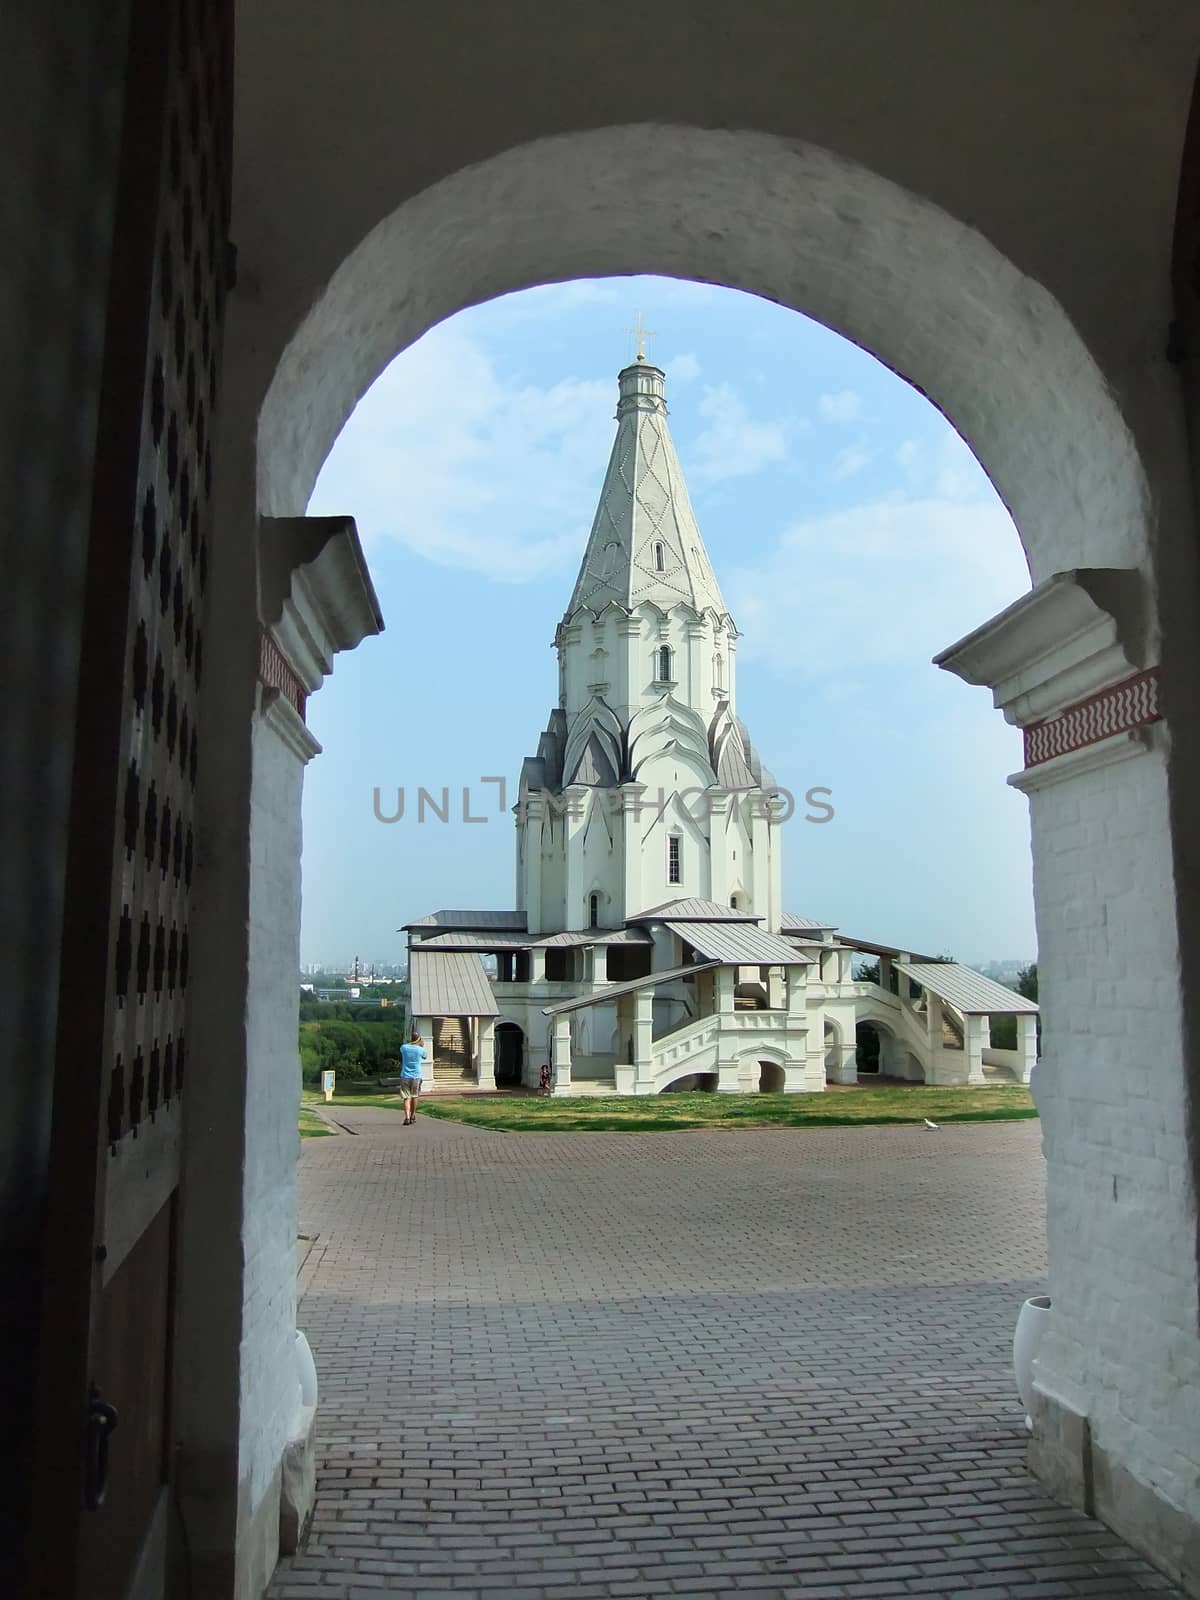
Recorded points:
(969,991)
(870,948)
(739,945)
(498,939)
(612,991)
(448,983)
(507,939)
(470,920)
(693,911)
(790,923)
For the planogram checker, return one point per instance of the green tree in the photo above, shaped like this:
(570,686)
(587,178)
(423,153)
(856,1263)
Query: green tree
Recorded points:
(1027,981)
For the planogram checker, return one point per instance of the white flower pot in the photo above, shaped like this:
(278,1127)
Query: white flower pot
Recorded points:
(306,1370)
(1027,1336)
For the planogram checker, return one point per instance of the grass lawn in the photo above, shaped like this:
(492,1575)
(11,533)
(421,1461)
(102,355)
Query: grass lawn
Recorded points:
(311,1126)
(667,1113)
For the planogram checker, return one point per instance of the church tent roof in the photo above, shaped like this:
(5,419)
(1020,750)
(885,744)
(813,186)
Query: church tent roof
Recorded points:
(644,546)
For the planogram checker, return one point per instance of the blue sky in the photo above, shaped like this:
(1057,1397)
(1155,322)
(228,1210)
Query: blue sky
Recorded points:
(852,532)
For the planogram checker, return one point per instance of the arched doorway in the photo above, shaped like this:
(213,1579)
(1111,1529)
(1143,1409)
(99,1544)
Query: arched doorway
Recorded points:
(770,1077)
(510,1055)
(876,1050)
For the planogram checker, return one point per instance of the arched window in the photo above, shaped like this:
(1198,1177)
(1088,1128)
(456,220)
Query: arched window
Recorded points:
(674,859)
(660,557)
(593,911)
(662,658)
(733,902)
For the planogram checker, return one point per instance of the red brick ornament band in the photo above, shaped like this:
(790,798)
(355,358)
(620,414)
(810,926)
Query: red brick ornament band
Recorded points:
(275,671)
(1135,703)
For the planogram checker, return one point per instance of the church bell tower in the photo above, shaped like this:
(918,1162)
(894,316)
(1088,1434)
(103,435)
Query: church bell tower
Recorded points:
(644,788)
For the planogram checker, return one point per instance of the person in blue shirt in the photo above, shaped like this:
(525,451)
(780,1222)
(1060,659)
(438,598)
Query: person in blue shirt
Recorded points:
(412,1057)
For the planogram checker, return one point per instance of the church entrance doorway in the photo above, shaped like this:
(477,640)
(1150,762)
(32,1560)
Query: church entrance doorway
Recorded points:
(510,1055)
(770,1077)
(869,1048)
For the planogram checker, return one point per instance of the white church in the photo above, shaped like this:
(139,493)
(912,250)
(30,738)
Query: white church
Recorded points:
(649,948)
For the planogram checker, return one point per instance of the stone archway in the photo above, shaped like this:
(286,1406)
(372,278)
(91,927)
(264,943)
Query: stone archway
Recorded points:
(771,1077)
(934,299)
(510,1055)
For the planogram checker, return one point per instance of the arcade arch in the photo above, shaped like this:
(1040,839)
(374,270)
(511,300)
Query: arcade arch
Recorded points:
(926,293)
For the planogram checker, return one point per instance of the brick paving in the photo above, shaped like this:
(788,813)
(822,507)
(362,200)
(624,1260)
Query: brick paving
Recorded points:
(770,1363)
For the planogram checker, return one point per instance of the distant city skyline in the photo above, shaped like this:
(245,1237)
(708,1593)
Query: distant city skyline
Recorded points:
(853,535)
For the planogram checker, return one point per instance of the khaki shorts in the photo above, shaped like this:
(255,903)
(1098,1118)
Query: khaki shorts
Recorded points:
(410,1088)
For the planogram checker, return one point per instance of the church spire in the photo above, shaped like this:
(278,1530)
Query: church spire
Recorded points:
(644,545)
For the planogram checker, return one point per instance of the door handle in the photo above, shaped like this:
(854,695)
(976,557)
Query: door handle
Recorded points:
(101,1422)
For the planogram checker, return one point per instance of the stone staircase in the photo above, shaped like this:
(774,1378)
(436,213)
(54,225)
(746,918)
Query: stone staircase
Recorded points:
(592,1087)
(451,1054)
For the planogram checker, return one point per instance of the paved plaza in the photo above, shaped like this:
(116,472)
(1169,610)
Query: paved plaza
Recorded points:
(771,1363)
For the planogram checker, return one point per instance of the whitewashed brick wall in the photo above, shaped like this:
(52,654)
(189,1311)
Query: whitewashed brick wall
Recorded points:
(1122,1346)
(270,1392)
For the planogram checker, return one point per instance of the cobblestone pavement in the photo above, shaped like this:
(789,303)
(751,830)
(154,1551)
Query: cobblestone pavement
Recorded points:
(772,1363)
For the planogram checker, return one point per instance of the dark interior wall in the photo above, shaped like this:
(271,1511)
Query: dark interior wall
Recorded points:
(61,81)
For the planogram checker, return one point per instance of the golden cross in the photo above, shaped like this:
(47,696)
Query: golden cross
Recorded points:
(641,333)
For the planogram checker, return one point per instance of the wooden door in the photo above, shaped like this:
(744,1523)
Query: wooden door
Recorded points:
(103,1473)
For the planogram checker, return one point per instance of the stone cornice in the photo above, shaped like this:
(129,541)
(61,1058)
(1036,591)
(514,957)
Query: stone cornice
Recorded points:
(281,716)
(1073,636)
(1118,747)
(315,595)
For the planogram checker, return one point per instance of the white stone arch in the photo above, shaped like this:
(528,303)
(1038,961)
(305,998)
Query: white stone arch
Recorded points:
(891,1046)
(765,1052)
(602,898)
(927,294)
(935,300)
(505,1020)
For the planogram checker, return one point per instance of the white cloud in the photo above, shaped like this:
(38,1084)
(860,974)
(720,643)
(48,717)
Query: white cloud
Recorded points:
(845,406)
(682,369)
(880,584)
(850,461)
(734,444)
(467,471)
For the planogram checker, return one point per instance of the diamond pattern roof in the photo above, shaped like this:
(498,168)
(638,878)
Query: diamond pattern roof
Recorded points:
(644,544)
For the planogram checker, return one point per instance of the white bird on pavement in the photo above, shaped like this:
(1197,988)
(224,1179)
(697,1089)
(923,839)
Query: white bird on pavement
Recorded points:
(929,1124)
